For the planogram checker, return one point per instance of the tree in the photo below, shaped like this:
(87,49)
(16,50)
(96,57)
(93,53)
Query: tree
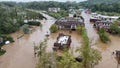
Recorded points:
(59,14)
(90,56)
(52,60)
(103,35)
(114,28)
(33,15)
(9,20)
(68,61)
(79,29)
(53,28)
(25,28)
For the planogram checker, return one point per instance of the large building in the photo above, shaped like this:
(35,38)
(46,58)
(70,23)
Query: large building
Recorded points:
(98,17)
(63,41)
(102,24)
(53,9)
(69,23)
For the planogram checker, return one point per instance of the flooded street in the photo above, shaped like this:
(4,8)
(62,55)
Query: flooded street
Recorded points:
(20,54)
(108,60)
(93,36)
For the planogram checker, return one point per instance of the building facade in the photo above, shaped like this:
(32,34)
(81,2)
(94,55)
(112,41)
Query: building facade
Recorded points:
(69,23)
(53,9)
(63,41)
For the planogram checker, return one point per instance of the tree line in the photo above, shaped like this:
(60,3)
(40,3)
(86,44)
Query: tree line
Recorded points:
(42,5)
(10,21)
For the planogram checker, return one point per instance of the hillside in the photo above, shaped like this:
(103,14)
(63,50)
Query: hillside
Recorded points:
(102,1)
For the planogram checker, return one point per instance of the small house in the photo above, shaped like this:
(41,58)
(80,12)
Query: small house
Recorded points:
(69,23)
(63,41)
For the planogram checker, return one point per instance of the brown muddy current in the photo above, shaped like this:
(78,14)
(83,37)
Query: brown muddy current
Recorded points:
(108,60)
(20,54)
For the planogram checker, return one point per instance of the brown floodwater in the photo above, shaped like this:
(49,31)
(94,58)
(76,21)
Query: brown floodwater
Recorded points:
(76,40)
(20,54)
(108,60)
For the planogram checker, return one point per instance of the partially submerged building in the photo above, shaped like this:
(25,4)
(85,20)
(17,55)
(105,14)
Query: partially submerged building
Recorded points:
(69,23)
(98,17)
(63,41)
(102,24)
(102,21)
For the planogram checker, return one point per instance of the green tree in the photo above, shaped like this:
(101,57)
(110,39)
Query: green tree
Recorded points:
(90,56)
(59,14)
(53,28)
(52,60)
(68,61)
(9,20)
(79,29)
(33,15)
(103,35)
(25,28)
(114,28)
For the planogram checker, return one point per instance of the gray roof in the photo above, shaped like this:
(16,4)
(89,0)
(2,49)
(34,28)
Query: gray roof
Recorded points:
(70,21)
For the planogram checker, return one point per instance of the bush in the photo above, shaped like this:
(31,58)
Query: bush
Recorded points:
(114,28)
(53,28)
(2,52)
(34,23)
(103,36)
(25,28)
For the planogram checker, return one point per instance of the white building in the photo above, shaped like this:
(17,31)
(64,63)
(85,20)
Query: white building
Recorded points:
(53,9)
(104,17)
